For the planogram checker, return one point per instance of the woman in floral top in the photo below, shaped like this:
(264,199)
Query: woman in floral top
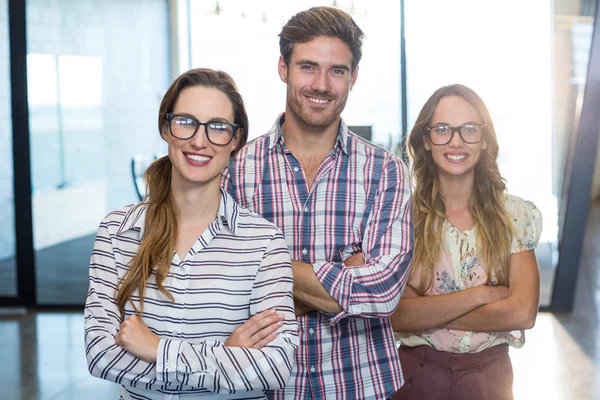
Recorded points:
(474,284)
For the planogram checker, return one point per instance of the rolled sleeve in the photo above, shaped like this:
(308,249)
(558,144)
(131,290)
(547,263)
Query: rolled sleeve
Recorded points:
(373,289)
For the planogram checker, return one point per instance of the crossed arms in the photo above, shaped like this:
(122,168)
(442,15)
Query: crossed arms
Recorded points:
(368,287)
(481,308)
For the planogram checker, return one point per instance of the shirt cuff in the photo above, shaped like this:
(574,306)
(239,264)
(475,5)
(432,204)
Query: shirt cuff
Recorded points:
(166,360)
(338,281)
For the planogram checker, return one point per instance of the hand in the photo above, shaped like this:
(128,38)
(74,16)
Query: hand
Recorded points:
(494,293)
(302,308)
(135,337)
(355,260)
(257,332)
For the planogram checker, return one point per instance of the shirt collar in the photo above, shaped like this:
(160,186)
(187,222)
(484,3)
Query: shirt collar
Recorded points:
(227,215)
(276,134)
(228,211)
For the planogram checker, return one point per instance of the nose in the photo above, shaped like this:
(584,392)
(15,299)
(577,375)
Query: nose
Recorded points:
(200,139)
(456,140)
(321,82)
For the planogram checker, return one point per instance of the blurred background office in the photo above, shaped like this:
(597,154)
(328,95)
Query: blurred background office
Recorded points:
(80,86)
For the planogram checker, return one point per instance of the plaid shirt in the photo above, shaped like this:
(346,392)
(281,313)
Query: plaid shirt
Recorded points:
(359,201)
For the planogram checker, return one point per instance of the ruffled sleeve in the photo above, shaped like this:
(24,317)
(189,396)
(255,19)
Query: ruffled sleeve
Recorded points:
(527,222)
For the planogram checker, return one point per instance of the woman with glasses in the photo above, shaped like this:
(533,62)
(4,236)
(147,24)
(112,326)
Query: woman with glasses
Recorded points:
(474,283)
(190,294)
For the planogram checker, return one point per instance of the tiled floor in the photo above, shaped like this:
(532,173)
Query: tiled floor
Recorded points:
(42,357)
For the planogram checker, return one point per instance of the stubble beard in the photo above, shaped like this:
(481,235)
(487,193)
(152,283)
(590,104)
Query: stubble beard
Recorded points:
(320,119)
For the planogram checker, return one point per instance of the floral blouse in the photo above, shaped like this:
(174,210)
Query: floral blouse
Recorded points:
(458,270)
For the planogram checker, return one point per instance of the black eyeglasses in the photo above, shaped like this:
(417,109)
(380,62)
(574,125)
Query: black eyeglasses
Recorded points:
(442,134)
(184,127)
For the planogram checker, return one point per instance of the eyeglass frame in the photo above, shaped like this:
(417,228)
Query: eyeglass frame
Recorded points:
(170,117)
(453,130)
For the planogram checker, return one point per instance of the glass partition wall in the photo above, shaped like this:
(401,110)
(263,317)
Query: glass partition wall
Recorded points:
(531,74)
(96,73)
(8,265)
(247,47)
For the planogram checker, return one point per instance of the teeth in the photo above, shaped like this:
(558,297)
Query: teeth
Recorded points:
(198,158)
(320,101)
(456,157)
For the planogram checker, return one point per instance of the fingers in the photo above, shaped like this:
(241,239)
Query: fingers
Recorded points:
(260,321)
(131,320)
(267,331)
(262,343)
(127,326)
(259,330)
(256,317)
(355,260)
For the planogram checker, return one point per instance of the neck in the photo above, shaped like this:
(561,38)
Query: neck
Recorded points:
(456,191)
(195,203)
(306,140)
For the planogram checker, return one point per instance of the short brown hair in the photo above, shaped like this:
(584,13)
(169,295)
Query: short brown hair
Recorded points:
(321,21)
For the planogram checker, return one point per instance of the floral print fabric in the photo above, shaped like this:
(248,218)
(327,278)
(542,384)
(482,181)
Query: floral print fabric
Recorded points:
(460,268)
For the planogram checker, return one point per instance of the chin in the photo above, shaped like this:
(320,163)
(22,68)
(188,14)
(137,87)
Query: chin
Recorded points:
(323,122)
(459,172)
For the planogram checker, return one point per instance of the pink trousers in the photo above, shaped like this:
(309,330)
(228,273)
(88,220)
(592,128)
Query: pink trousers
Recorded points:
(435,375)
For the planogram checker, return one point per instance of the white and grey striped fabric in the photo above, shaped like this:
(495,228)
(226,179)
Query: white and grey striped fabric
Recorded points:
(238,267)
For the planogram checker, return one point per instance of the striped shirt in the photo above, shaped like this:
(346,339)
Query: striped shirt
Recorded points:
(240,266)
(359,201)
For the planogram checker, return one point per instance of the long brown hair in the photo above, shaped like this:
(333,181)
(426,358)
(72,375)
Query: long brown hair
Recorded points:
(321,21)
(494,229)
(160,233)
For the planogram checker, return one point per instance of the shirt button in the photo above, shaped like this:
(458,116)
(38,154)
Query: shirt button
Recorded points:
(304,251)
(305,209)
(312,369)
(311,331)
(296,169)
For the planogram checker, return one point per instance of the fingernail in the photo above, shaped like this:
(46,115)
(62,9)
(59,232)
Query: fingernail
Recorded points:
(280,316)
(280,323)
(272,311)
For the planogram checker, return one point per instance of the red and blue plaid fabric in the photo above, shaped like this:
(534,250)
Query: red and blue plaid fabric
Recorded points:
(359,201)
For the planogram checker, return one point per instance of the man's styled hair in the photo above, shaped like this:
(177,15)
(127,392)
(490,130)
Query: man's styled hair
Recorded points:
(321,21)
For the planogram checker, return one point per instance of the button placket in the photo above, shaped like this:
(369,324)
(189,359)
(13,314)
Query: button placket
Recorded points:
(181,283)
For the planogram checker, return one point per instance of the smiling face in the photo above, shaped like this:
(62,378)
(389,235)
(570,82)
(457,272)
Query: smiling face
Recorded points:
(318,79)
(197,161)
(456,158)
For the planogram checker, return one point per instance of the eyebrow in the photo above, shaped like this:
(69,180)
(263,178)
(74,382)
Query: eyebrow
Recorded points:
(316,64)
(216,119)
(464,123)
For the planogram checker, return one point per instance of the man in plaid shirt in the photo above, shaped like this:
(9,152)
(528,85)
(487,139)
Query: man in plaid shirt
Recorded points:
(344,207)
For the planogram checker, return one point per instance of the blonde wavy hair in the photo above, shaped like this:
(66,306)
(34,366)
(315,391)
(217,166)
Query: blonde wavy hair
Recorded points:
(494,228)
(160,233)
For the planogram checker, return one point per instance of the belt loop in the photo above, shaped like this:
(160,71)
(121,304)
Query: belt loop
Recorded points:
(422,358)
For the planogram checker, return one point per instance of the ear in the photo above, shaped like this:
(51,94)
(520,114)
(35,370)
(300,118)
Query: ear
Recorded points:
(235,141)
(282,68)
(426,143)
(354,77)
(164,133)
(483,145)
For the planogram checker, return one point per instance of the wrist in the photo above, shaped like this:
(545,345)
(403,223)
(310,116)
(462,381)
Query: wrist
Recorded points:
(153,348)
